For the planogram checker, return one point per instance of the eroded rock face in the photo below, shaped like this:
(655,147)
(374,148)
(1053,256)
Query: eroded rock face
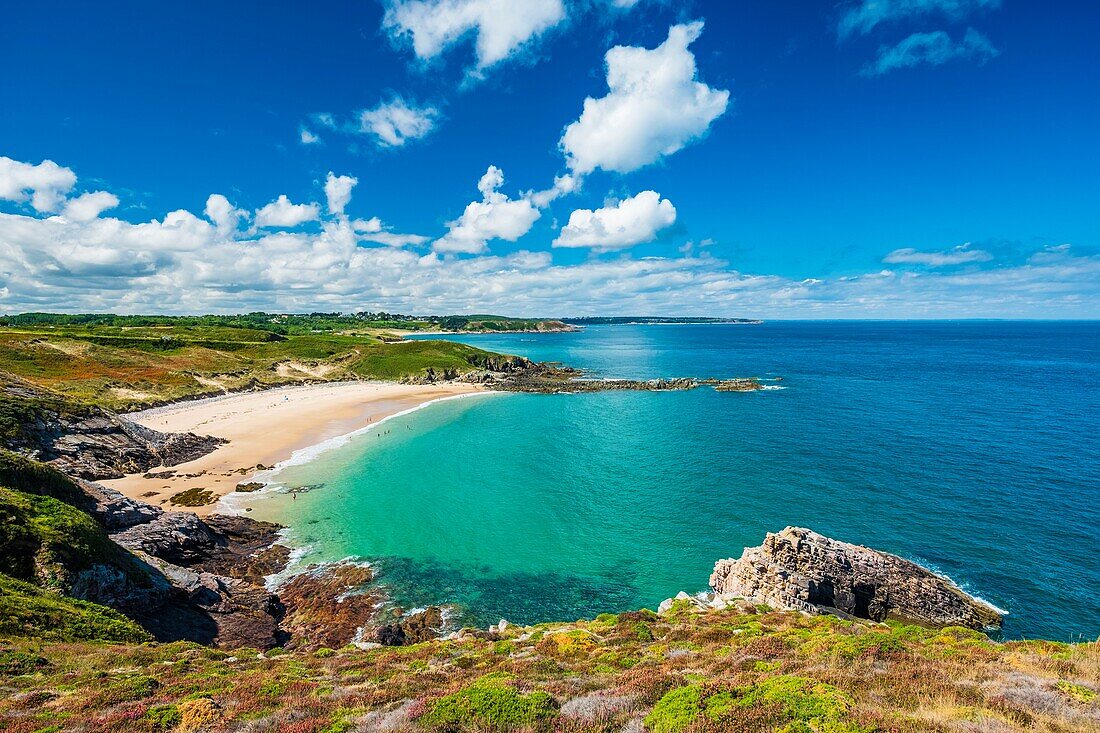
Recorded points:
(104,445)
(215,570)
(801,570)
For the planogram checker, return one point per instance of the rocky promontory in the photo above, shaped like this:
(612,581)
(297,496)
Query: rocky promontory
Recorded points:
(800,570)
(522,375)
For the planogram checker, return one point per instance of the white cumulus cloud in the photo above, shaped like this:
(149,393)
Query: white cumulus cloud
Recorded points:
(338,191)
(501,27)
(628,222)
(494,217)
(226,216)
(181,263)
(654,107)
(396,122)
(45,184)
(282,213)
(88,206)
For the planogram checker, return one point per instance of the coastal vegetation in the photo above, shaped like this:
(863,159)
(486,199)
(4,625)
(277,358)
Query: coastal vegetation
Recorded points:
(122,367)
(732,670)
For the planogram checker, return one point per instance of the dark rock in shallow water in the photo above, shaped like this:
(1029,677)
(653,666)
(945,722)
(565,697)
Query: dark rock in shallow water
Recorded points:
(330,605)
(423,626)
(801,570)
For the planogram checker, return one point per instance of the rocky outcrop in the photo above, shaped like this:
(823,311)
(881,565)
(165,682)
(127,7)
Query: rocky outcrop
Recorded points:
(331,605)
(413,629)
(527,376)
(86,441)
(216,570)
(104,445)
(113,510)
(215,610)
(801,570)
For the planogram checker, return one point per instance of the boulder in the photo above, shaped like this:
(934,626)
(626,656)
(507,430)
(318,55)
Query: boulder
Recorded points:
(800,570)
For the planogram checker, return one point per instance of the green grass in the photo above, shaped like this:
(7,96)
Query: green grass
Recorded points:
(27,611)
(491,703)
(125,368)
(43,540)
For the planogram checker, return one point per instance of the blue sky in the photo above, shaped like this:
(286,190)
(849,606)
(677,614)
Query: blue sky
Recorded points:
(867,158)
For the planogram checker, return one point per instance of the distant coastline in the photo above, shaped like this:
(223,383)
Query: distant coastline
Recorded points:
(657,321)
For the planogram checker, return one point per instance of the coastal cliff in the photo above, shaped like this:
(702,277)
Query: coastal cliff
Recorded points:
(800,570)
(87,441)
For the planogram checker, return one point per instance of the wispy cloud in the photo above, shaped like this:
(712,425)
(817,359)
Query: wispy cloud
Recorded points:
(864,17)
(306,137)
(933,49)
(960,255)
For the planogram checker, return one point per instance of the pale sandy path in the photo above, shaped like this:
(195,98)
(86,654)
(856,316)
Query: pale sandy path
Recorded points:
(264,428)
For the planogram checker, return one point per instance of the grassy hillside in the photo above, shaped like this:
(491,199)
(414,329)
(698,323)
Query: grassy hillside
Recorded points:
(122,367)
(45,543)
(283,323)
(682,671)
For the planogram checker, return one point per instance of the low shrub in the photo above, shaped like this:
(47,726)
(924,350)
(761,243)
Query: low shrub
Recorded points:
(491,703)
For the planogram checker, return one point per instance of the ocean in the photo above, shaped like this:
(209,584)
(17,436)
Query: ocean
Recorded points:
(969,447)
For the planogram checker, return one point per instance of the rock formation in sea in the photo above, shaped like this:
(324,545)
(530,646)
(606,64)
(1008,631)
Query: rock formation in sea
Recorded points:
(801,570)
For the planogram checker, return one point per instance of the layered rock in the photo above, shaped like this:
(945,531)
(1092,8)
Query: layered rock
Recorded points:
(104,445)
(798,569)
(86,441)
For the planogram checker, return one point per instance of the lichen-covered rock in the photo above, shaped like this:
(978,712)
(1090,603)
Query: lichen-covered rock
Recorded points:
(801,570)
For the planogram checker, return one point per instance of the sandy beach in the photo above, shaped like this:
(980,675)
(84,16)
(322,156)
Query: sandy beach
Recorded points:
(264,428)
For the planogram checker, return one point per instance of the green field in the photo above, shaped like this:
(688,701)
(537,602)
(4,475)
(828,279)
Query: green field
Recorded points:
(127,366)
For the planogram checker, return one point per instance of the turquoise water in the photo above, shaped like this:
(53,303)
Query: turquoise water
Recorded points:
(969,447)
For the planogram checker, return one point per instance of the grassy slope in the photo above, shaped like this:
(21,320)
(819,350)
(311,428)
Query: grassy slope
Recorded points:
(43,542)
(683,671)
(122,368)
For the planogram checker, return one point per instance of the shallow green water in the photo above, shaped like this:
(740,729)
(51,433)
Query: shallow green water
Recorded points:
(963,446)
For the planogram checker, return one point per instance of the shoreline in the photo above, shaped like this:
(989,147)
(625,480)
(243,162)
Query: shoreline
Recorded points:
(228,503)
(267,428)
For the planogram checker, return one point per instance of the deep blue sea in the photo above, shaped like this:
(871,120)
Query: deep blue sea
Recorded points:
(970,447)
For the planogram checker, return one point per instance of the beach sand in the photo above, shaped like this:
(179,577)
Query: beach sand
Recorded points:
(264,428)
